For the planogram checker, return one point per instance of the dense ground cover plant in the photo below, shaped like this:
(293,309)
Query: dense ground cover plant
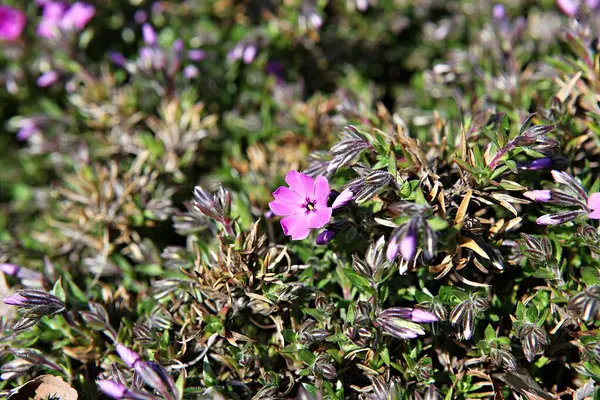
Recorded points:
(302,199)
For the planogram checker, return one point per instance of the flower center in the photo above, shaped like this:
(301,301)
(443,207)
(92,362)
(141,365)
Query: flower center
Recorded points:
(310,205)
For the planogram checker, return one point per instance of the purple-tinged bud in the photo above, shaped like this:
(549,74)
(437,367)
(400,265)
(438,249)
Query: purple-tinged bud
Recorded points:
(117,58)
(408,245)
(418,315)
(111,388)
(27,130)
(140,16)
(560,218)
(196,55)
(249,53)
(47,79)
(541,196)
(499,12)
(148,34)
(151,377)
(392,249)
(157,7)
(540,163)
(10,269)
(178,47)
(269,214)
(325,237)
(191,72)
(236,53)
(129,357)
(15,300)
(343,198)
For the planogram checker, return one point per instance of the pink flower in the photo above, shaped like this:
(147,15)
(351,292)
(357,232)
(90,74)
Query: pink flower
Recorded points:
(304,204)
(12,23)
(58,17)
(77,16)
(594,205)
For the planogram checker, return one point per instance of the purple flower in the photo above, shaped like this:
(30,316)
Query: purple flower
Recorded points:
(77,16)
(304,204)
(499,12)
(10,269)
(140,16)
(47,79)
(540,163)
(129,357)
(594,205)
(58,17)
(53,12)
(569,7)
(148,34)
(117,58)
(27,130)
(111,388)
(12,23)
(190,72)
(196,55)
(325,237)
(541,196)
(249,53)
(15,300)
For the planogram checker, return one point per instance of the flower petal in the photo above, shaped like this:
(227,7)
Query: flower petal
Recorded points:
(321,190)
(280,207)
(594,202)
(320,217)
(594,214)
(343,198)
(300,183)
(287,202)
(296,226)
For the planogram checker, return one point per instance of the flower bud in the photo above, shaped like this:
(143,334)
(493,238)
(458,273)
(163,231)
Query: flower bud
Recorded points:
(325,237)
(129,357)
(541,196)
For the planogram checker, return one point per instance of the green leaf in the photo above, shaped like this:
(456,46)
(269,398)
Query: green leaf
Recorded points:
(58,290)
(490,333)
(359,281)
(307,356)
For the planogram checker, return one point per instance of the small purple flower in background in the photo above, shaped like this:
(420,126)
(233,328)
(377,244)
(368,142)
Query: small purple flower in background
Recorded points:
(140,16)
(245,51)
(196,55)
(149,34)
(77,16)
(57,17)
(304,204)
(499,12)
(12,23)
(594,206)
(47,79)
(191,72)
(27,130)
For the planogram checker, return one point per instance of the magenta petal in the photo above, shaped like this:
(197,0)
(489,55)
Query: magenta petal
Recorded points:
(287,195)
(320,217)
(284,208)
(300,183)
(321,190)
(594,214)
(594,202)
(342,198)
(296,226)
